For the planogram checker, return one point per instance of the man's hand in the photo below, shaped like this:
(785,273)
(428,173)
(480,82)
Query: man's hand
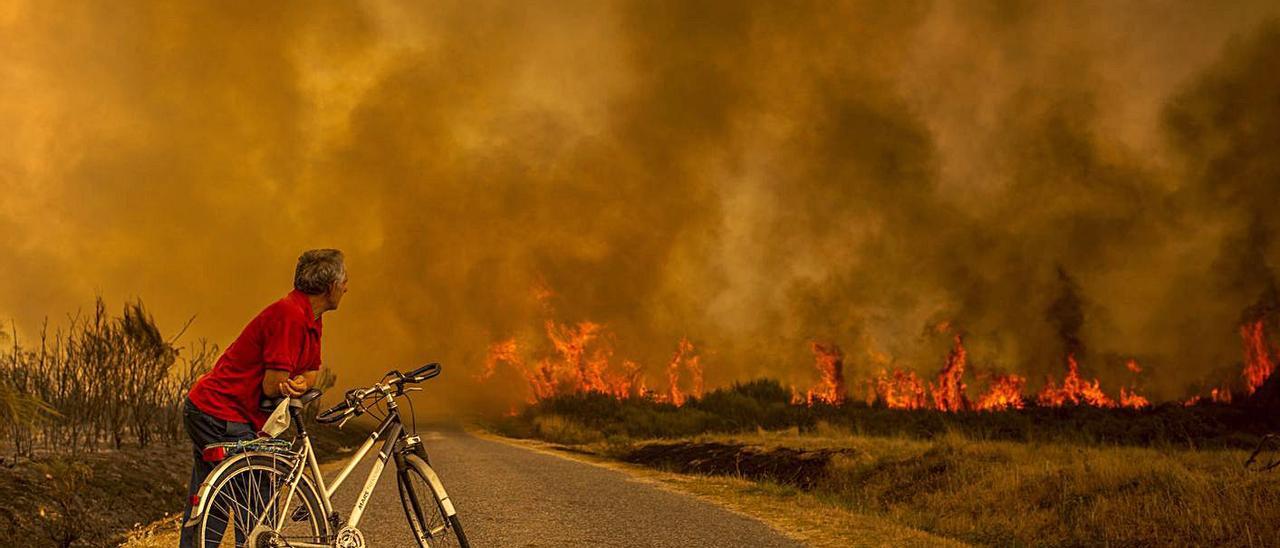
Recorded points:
(277,383)
(294,387)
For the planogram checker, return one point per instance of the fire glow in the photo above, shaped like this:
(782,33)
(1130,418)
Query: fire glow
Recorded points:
(579,359)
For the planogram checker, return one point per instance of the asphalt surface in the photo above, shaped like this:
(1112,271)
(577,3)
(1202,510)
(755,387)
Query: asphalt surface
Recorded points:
(512,496)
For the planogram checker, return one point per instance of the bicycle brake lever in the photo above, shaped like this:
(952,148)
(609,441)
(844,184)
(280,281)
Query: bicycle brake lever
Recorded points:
(413,389)
(344,421)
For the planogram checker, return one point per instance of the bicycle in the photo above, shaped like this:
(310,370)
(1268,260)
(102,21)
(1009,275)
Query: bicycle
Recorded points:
(254,487)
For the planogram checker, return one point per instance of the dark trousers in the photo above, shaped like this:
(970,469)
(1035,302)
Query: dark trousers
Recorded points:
(205,430)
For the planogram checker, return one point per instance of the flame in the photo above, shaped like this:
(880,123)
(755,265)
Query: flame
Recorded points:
(1131,399)
(948,393)
(1220,395)
(673,372)
(829,361)
(901,390)
(1129,396)
(579,359)
(1074,390)
(683,357)
(1216,395)
(579,362)
(1258,361)
(499,352)
(1005,392)
(571,344)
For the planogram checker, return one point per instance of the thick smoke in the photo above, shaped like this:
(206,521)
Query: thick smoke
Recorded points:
(751,176)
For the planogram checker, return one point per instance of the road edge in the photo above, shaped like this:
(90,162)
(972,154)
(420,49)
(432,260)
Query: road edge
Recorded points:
(799,516)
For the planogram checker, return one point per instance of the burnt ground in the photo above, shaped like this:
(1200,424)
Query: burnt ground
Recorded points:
(799,467)
(89,499)
(93,499)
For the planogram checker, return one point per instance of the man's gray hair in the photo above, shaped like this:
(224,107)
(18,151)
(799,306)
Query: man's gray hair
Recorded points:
(317,270)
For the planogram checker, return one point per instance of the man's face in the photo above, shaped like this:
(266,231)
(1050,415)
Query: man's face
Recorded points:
(337,290)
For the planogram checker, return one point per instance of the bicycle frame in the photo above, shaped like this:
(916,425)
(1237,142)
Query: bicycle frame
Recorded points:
(390,430)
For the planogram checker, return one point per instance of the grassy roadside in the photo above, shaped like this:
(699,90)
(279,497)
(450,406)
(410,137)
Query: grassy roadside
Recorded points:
(985,492)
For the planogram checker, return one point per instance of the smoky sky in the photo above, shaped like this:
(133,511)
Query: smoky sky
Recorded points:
(1089,177)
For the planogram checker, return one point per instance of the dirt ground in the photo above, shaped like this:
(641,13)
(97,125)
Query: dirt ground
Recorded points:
(97,499)
(90,499)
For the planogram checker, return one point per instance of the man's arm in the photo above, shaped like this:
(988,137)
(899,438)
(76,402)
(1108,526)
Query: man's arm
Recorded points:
(277,383)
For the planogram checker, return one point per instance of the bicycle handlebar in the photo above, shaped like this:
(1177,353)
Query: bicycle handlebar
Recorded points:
(354,398)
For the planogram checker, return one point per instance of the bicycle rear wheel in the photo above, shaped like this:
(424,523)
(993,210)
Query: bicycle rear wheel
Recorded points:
(426,505)
(246,499)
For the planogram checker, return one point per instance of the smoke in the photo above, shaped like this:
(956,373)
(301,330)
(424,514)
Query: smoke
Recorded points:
(751,177)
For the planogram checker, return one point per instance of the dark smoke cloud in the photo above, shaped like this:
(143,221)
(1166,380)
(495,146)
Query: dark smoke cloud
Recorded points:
(752,176)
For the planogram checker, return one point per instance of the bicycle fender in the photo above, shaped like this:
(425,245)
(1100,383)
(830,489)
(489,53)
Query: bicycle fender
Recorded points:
(202,494)
(439,489)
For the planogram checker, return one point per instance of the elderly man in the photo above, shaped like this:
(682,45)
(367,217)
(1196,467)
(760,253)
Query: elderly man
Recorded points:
(277,354)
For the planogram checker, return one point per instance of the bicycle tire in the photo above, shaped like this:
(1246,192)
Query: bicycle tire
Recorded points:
(241,481)
(429,522)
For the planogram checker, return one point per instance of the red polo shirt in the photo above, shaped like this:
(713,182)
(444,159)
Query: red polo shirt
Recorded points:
(285,336)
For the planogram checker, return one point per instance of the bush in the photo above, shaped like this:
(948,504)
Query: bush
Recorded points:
(558,429)
(764,404)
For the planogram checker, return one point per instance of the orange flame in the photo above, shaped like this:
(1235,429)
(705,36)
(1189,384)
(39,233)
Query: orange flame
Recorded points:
(1258,362)
(692,364)
(902,390)
(579,362)
(1131,399)
(571,344)
(1005,392)
(1129,396)
(948,393)
(829,361)
(1074,390)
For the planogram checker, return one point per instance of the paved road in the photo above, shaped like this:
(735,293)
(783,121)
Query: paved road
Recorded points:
(510,496)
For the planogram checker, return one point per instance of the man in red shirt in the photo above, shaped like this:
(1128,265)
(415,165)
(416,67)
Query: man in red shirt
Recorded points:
(277,354)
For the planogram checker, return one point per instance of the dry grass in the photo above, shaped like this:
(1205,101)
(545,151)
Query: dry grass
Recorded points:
(1058,495)
(558,429)
(161,534)
(1043,494)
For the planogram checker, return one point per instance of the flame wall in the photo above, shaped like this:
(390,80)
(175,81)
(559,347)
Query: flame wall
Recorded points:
(1096,178)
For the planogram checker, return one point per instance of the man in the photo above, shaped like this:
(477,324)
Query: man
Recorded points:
(277,354)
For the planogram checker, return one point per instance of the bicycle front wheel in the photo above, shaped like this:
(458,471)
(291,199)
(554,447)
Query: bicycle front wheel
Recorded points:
(248,497)
(431,516)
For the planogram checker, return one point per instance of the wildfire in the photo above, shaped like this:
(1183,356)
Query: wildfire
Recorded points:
(1132,399)
(900,390)
(1258,362)
(683,356)
(1005,392)
(579,362)
(829,361)
(578,357)
(948,393)
(1074,390)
